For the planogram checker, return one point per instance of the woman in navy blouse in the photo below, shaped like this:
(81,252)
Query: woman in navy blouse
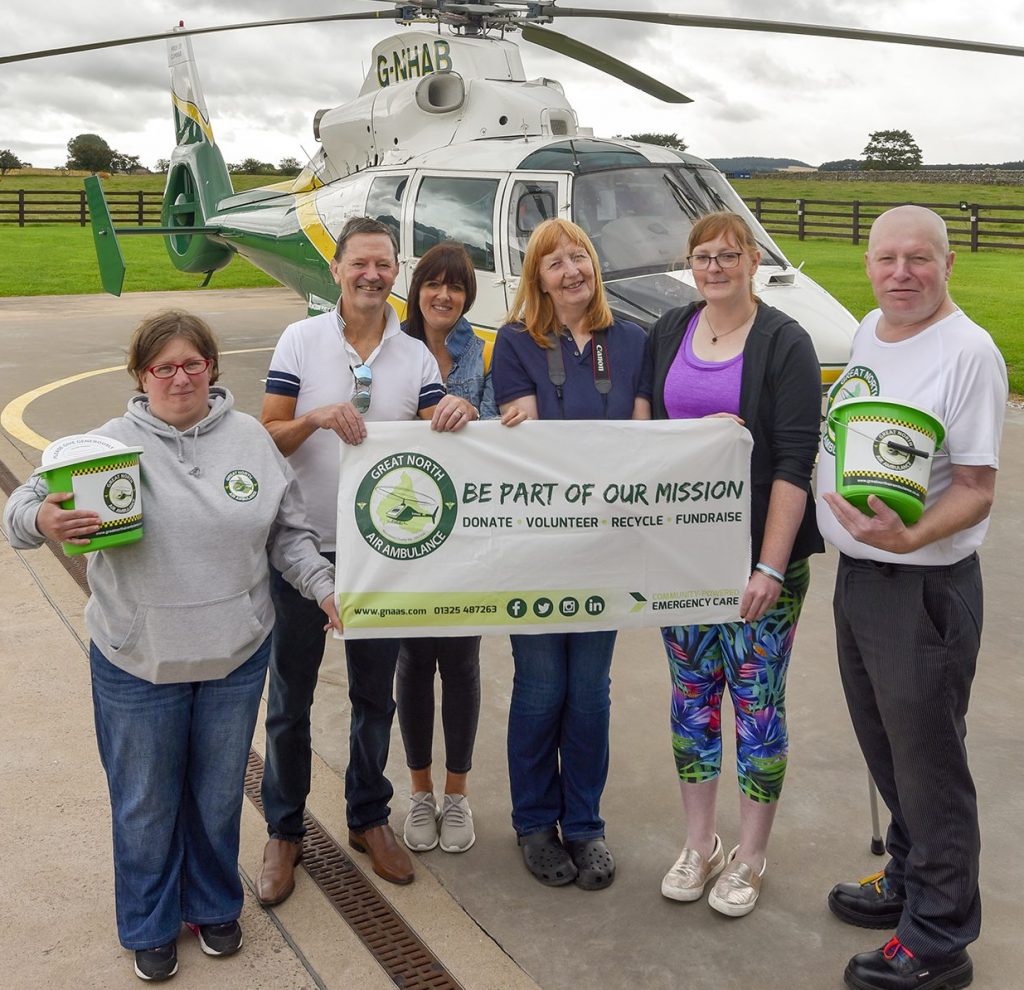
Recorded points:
(558,719)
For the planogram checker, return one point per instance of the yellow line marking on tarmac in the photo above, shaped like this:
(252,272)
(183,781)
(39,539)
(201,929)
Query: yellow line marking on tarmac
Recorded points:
(12,418)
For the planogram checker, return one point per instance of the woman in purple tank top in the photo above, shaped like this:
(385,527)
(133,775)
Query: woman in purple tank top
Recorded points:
(732,355)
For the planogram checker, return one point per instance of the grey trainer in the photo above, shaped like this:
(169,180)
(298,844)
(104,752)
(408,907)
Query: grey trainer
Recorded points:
(457,833)
(420,832)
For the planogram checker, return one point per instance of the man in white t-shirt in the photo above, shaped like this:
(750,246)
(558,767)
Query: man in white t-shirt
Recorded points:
(908,608)
(329,376)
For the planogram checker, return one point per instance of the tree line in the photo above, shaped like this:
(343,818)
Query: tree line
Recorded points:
(891,150)
(91,153)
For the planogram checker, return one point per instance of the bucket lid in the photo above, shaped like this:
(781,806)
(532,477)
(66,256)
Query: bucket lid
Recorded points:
(80,444)
(84,458)
(881,399)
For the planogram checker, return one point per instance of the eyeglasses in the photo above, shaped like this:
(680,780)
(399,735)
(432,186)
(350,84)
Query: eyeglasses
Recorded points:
(193,367)
(727,259)
(363,377)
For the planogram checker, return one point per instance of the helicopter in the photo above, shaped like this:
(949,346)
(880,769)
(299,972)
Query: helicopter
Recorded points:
(408,505)
(449,140)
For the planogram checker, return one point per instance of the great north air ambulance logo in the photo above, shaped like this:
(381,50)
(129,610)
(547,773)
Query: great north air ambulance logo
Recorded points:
(406,506)
(119,493)
(857,382)
(240,485)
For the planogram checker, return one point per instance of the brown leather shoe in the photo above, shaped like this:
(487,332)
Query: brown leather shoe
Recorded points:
(277,877)
(388,859)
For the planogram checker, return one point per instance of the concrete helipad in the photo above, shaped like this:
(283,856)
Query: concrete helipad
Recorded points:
(488,922)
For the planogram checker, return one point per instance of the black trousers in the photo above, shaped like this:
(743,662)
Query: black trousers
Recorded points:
(908,640)
(298,649)
(458,660)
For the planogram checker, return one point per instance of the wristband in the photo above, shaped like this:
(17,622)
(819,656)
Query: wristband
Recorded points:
(770,572)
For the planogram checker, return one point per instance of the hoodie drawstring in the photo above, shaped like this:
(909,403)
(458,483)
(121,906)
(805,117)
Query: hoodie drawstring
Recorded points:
(196,469)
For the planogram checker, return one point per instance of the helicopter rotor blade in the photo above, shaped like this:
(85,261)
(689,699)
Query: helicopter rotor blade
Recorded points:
(581,52)
(786,27)
(371,15)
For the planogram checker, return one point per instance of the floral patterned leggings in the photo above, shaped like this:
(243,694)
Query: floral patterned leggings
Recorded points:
(752,660)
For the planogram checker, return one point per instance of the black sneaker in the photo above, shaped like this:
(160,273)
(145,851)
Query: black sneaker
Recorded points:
(895,967)
(219,940)
(869,903)
(160,963)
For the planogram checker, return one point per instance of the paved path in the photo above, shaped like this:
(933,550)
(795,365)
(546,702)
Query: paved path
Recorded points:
(481,914)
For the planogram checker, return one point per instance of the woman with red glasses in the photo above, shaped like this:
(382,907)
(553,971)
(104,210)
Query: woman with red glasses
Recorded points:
(180,626)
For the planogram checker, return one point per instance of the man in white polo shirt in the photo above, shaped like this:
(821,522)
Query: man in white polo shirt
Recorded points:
(908,609)
(329,376)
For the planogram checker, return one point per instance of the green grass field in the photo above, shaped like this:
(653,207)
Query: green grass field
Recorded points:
(989,285)
(879,192)
(47,261)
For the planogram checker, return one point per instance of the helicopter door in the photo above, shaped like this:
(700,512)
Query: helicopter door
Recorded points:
(384,203)
(529,199)
(461,208)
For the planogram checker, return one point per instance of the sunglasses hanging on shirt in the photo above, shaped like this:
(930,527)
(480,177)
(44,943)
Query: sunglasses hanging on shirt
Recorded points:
(362,376)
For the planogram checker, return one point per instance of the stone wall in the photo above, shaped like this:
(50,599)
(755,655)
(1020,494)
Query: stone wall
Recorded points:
(987,176)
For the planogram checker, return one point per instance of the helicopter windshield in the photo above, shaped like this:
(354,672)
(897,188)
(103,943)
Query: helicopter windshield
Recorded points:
(640,217)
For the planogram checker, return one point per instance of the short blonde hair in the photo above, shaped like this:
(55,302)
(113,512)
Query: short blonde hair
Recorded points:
(155,332)
(533,307)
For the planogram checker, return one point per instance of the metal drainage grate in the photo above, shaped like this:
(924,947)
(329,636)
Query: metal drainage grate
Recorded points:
(401,953)
(395,946)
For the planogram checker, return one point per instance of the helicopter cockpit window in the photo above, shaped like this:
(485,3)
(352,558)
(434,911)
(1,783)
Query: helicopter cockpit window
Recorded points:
(384,203)
(450,208)
(532,202)
(581,155)
(639,218)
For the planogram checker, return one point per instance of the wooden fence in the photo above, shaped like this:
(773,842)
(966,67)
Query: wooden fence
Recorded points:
(47,206)
(973,225)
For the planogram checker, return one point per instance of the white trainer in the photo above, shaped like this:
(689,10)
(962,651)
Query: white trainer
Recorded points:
(737,889)
(457,833)
(420,832)
(687,879)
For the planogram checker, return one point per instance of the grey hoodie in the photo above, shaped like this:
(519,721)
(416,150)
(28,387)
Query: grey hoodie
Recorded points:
(191,600)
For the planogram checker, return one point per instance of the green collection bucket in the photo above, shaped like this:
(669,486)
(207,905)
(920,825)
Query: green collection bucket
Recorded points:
(103,474)
(885,448)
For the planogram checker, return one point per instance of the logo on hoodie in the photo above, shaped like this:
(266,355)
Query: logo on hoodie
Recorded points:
(240,485)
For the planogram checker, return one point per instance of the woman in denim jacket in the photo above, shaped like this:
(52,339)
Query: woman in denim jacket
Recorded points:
(442,290)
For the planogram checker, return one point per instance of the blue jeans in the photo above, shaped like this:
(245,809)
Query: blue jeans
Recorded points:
(297,652)
(175,758)
(558,732)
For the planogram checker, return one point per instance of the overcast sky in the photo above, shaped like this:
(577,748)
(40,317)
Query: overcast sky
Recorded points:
(755,94)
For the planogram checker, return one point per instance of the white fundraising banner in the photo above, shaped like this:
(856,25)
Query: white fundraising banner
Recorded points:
(548,526)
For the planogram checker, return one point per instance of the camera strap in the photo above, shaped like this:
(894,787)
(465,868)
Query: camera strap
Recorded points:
(599,360)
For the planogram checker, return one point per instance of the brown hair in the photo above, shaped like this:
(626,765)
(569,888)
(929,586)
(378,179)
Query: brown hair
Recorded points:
(723,224)
(446,262)
(363,225)
(155,332)
(532,307)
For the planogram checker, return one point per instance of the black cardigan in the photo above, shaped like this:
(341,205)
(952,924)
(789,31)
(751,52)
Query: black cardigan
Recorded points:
(780,403)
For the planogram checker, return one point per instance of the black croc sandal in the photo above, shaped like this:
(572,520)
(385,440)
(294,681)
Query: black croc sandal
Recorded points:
(545,857)
(594,863)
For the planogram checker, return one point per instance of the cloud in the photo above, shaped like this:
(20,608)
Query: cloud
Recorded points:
(811,98)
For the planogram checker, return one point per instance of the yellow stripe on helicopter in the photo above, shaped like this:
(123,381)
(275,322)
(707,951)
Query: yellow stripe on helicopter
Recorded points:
(191,111)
